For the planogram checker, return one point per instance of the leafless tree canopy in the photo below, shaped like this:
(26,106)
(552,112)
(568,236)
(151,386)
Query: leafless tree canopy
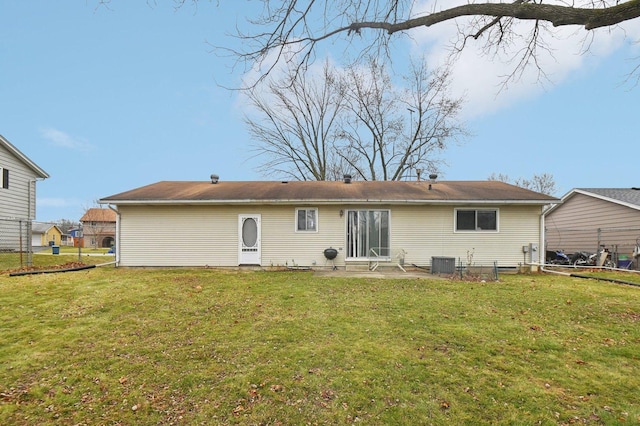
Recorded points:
(320,126)
(298,26)
(293,124)
(391,133)
(543,183)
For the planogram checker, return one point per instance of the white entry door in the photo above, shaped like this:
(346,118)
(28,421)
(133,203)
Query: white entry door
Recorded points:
(249,238)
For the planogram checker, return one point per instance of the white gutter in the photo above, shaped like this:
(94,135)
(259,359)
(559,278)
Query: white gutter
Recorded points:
(324,201)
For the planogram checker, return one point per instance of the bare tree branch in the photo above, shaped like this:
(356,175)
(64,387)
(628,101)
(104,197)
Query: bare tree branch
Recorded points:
(543,183)
(589,18)
(320,126)
(293,28)
(293,125)
(396,131)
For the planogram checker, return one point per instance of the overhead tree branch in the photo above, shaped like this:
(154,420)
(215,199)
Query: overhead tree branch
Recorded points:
(589,18)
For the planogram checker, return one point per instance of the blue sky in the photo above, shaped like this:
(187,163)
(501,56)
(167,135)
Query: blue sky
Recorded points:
(110,99)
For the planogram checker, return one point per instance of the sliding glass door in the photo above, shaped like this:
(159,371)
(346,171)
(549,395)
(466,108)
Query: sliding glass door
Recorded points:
(368,233)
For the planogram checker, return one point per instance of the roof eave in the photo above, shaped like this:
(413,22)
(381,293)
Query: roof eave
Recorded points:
(575,191)
(15,151)
(323,201)
(604,198)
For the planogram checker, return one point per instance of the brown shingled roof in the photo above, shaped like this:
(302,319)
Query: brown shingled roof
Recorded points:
(171,192)
(99,215)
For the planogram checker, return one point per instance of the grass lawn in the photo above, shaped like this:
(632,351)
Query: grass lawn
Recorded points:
(45,259)
(202,346)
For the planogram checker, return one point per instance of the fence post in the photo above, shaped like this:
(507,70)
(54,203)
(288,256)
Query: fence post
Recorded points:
(29,243)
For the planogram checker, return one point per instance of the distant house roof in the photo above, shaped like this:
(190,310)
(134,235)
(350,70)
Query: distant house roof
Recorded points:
(41,227)
(379,192)
(99,215)
(16,152)
(629,197)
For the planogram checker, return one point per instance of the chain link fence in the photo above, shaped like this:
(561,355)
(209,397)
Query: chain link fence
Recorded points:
(15,243)
(622,242)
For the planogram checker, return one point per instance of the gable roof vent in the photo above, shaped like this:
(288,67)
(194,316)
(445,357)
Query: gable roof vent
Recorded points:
(347,178)
(215,179)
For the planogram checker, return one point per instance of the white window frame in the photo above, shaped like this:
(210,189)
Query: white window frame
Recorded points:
(369,255)
(316,225)
(455,219)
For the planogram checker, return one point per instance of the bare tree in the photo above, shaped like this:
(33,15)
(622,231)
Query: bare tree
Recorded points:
(356,121)
(544,183)
(66,225)
(298,26)
(292,123)
(390,133)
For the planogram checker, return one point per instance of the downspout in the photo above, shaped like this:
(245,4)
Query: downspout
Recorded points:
(117,233)
(542,249)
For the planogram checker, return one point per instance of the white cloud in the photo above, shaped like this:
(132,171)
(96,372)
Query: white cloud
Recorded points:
(64,140)
(277,66)
(479,76)
(54,202)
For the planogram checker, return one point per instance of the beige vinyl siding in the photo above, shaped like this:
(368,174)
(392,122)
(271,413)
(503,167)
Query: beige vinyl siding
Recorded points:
(425,232)
(283,246)
(582,222)
(208,235)
(177,236)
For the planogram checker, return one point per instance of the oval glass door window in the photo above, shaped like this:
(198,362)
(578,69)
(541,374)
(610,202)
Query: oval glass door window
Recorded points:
(249,232)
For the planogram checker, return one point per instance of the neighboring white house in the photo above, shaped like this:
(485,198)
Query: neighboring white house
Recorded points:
(18,176)
(228,224)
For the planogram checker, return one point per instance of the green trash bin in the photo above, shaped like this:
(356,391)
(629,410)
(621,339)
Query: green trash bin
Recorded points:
(55,249)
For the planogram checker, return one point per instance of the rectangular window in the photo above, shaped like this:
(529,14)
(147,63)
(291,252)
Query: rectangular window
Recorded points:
(476,220)
(368,233)
(4,176)
(307,220)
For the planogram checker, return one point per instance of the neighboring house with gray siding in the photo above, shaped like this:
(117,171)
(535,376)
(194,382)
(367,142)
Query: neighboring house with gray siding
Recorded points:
(228,224)
(589,218)
(18,176)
